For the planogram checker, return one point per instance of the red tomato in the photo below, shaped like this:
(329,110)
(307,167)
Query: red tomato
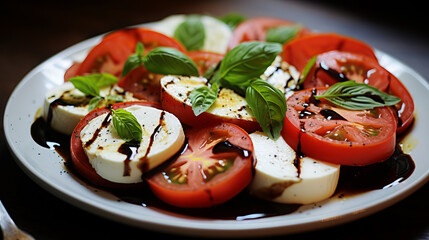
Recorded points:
(143,84)
(185,114)
(334,66)
(298,51)
(216,166)
(348,137)
(205,60)
(111,53)
(255,29)
(80,161)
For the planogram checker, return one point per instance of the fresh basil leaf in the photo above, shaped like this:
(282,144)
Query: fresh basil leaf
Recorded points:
(268,105)
(306,70)
(233,19)
(166,61)
(247,61)
(135,60)
(126,125)
(191,33)
(202,98)
(282,34)
(86,86)
(93,103)
(115,98)
(357,96)
(91,84)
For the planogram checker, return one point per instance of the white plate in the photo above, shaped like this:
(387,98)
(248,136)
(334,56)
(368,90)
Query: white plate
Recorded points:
(46,167)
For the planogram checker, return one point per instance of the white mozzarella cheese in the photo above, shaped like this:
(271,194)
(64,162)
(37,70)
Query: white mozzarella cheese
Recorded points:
(280,179)
(282,76)
(65,106)
(217,32)
(115,160)
(228,103)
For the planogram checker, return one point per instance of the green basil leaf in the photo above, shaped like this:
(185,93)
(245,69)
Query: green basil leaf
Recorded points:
(202,98)
(191,33)
(93,103)
(169,61)
(247,61)
(91,84)
(357,96)
(282,34)
(135,60)
(268,105)
(233,19)
(307,69)
(115,98)
(126,125)
(85,86)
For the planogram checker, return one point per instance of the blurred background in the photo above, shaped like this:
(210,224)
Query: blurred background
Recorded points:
(33,32)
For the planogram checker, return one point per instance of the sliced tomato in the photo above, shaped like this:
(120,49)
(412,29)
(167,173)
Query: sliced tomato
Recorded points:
(348,137)
(298,51)
(216,165)
(255,29)
(184,112)
(111,53)
(142,84)
(334,66)
(80,161)
(205,60)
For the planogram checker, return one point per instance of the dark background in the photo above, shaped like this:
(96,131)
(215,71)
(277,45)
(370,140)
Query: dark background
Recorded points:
(33,32)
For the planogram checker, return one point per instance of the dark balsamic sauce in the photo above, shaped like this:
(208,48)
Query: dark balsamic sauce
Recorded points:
(226,146)
(330,114)
(129,149)
(243,206)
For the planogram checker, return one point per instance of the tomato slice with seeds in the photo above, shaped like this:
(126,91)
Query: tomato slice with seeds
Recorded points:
(334,66)
(80,161)
(329,133)
(298,51)
(216,166)
(111,53)
(142,84)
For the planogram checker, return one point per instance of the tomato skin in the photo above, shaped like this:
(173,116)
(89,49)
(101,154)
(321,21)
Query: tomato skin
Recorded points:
(186,115)
(255,29)
(79,159)
(197,193)
(362,69)
(114,49)
(142,84)
(298,51)
(306,135)
(205,59)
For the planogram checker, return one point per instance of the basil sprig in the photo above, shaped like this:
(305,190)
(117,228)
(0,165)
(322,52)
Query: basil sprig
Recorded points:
(127,126)
(268,105)
(244,63)
(238,71)
(357,96)
(202,98)
(233,19)
(282,34)
(166,61)
(90,85)
(191,33)
(134,60)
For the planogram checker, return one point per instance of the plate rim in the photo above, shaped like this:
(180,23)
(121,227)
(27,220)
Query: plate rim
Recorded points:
(198,229)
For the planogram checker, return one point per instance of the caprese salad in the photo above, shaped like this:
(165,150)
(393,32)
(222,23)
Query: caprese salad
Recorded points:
(199,109)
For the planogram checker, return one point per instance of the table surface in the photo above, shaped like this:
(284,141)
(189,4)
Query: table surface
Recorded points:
(32,33)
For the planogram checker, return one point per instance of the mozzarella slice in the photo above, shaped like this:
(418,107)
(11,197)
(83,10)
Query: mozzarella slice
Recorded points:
(217,32)
(280,179)
(118,161)
(282,76)
(228,103)
(65,106)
